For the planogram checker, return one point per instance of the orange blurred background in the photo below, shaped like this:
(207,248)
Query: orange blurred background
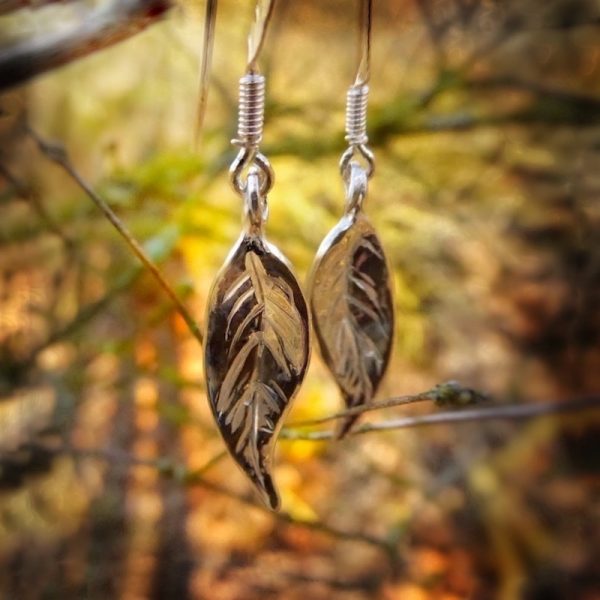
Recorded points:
(485,122)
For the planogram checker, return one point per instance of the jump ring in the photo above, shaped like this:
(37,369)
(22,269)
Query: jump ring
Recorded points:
(255,201)
(356,185)
(245,158)
(365,152)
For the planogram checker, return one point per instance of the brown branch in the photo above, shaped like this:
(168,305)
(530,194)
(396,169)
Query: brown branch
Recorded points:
(179,472)
(59,156)
(512,412)
(109,23)
(450,393)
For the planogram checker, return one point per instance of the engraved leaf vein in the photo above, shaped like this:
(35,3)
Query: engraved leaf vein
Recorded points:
(351,295)
(265,348)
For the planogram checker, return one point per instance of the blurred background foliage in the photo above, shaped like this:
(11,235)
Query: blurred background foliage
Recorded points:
(485,120)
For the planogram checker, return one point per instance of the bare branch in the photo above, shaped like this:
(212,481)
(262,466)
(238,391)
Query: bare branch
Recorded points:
(450,393)
(512,412)
(179,472)
(104,26)
(58,155)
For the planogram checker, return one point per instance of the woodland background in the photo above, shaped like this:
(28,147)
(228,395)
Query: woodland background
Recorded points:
(485,120)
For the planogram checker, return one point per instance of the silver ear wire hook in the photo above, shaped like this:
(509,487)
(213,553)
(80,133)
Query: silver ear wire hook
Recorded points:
(350,284)
(357,99)
(258,327)
(251,110)
(251,113)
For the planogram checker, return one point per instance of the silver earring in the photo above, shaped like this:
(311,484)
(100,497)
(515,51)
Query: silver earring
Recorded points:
(257,340)
(350,287)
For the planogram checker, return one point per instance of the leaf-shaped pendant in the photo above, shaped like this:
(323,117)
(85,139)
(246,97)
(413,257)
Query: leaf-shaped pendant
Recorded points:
(352,309)
(257,352)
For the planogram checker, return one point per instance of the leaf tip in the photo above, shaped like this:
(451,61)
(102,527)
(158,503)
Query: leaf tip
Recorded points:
(269,493)
(345,427)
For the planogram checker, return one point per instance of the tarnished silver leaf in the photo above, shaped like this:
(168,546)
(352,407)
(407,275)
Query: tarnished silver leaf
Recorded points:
(257,351)
(352,309)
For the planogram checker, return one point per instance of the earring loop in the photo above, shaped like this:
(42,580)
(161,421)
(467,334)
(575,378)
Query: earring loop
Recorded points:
(249,157)
(357,183)
(351,152)
(255,204)
(251,116)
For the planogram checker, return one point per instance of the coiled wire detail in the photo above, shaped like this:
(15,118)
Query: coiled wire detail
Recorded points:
(251,116)
(357,99)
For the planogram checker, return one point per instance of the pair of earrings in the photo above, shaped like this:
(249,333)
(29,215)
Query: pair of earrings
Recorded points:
(257,344)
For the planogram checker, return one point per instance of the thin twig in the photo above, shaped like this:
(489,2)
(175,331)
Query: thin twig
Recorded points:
(359,410)
(58,155)
(450,393)
(516,412)
(208,42)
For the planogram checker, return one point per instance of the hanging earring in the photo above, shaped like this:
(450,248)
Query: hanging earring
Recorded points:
(350,289)
(257,338)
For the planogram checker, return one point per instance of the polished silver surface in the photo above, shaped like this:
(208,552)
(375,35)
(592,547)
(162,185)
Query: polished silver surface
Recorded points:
(350,289)
(257,346)
(257,338)
(251,112)
(356,131)
(357,99)
(351,302)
